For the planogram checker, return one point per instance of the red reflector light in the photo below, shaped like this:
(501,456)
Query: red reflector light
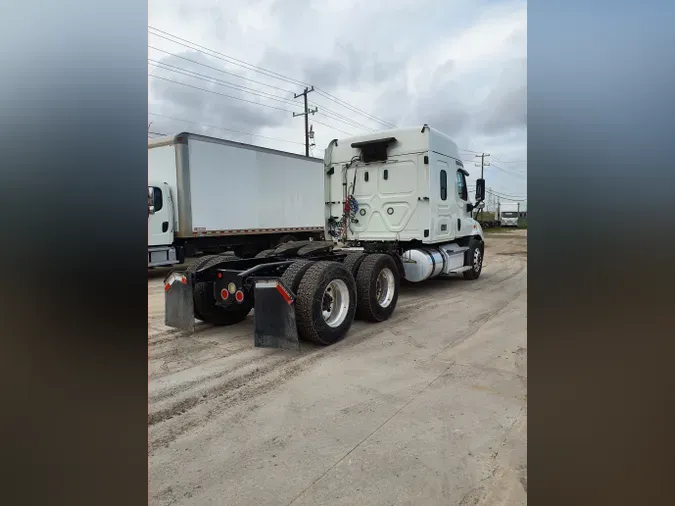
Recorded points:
(166,287)
(224,294)
(239,296)
(220,274)
(284,293)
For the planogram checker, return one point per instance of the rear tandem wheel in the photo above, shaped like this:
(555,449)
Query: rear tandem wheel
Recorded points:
(326,303)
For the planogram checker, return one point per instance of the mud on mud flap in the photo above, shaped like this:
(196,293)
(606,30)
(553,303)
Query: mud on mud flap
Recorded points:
(274,317)
(179,311)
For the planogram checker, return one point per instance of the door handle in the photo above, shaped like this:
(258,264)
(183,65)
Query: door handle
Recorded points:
(165,226)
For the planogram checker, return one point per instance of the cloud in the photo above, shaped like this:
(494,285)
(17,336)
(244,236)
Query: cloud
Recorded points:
(459,66)
(506,106)
(185,89)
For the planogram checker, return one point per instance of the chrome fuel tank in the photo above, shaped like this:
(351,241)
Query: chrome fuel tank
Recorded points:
(421,264)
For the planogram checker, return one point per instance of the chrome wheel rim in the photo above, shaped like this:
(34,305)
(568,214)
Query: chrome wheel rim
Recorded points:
(385,287)
(477,260)
(335,303)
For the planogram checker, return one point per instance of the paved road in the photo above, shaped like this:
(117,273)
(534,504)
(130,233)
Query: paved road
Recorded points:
(429,407)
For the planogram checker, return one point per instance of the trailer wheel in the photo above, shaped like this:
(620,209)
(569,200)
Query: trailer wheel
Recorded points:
(353,261)
(265,253)
(326,303)
(293,275)
(205,301)
(476,250)
(377,283)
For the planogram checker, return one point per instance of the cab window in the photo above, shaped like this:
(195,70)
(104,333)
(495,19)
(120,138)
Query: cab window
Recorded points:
(444,185)
(462,190)
(155,197)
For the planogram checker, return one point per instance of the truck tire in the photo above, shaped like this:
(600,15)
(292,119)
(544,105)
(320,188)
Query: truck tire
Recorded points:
(205,301)
(377,283)
(293,275)
(326,303)
(264,253)
(286,238)
(315,247)
(476,250)
(353,261)
(289,249)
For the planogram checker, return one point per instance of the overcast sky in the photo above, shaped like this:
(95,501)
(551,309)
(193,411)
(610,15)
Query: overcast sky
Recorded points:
(460,66)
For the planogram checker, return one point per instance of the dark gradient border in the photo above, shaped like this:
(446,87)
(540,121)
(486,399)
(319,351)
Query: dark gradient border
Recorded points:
(601,251)
(73,97)
(73,129)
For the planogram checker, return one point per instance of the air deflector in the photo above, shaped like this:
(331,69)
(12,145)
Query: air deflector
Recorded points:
(374,150)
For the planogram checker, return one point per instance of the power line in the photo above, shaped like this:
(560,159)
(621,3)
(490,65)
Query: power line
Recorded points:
(347,122)
(244,100)
(224,129)
(502,161)
(234,74)
(215,80)
(221,94)
(269,73)
(224,57)
(506,171)
(515,198)
(239,87)
(334,128)
(353,108)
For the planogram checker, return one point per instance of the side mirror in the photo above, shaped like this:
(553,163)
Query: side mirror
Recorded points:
(151,209)
(480,190)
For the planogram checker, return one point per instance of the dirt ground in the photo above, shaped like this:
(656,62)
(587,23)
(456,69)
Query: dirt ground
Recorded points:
(429,407)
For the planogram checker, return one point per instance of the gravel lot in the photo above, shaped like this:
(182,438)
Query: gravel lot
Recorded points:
(429,407)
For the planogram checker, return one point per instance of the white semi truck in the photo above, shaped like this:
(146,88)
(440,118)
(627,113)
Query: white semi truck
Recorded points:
(211,195)
(395,206)
(509,214)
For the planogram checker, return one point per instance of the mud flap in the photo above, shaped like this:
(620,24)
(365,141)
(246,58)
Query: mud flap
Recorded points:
(179,311)
(274,317)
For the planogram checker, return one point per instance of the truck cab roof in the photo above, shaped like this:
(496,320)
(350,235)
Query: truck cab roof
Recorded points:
(401,141)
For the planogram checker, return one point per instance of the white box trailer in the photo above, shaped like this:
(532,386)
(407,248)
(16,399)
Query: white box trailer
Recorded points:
(211,195)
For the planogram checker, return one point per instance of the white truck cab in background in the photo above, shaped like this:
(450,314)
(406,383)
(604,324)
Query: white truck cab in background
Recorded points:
(509,214)
(160,225)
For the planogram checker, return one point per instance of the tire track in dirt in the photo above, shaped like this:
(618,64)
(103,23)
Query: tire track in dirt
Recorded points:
(268,371)
(273,375)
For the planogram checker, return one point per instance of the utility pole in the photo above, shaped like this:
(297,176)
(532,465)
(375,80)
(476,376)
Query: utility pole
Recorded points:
(306,114)
(482,165)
